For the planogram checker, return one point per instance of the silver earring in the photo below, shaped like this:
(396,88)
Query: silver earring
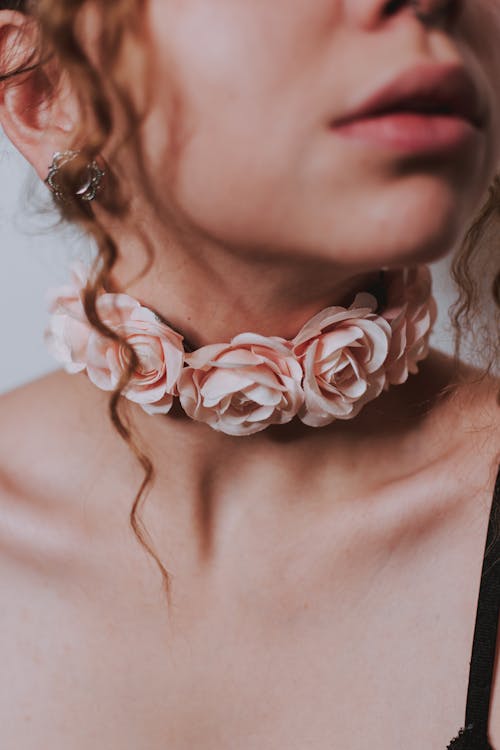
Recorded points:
(91,182)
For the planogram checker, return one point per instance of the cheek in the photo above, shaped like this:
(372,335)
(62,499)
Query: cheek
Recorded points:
(238,137)
(244,112)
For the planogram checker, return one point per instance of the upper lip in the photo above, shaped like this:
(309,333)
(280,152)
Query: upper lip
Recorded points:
(426,87)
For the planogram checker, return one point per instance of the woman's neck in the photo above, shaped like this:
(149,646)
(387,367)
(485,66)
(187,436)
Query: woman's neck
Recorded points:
(348,457)
(210,293)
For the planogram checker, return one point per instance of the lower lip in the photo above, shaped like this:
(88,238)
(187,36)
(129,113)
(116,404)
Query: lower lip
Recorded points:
(411,132)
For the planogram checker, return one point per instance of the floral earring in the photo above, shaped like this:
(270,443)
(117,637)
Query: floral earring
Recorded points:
(91,178)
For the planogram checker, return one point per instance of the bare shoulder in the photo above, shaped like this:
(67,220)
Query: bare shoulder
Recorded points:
(46,424)
(57,450)
(479,402)
(471,408)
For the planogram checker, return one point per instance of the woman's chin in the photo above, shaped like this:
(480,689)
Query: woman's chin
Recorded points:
(420,250)
(374,249)
(424,238)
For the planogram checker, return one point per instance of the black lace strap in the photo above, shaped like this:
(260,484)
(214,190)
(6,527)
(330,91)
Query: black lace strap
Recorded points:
(486,628)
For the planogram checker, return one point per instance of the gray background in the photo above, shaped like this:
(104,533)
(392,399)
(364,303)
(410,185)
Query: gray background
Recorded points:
(36,255)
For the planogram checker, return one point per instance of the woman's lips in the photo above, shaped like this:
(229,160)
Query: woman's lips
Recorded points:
(411,132)
(430,107)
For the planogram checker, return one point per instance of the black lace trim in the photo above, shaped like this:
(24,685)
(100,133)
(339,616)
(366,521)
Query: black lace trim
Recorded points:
(467,739)
(462,740)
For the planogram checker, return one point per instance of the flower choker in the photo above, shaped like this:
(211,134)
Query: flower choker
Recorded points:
(339,360)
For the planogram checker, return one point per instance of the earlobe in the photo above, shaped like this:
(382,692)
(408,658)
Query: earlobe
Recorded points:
(37,116)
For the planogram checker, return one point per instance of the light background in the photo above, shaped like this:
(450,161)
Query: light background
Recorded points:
(36,255)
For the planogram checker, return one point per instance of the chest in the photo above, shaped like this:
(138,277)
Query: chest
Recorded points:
(380,663)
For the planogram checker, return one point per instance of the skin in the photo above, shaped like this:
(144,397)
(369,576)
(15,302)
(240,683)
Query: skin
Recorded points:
(321,578)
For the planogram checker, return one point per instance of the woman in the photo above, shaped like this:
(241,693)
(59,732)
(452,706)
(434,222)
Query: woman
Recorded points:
(321,532)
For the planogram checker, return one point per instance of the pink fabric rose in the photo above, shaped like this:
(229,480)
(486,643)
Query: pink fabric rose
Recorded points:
(159,348)
(339,360)
(242,387)
(342,353)
(67,332)
(411,311)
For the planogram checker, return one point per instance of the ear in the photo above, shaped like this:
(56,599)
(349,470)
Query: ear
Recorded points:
(38,110)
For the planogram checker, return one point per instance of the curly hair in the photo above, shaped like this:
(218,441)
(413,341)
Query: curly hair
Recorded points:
(58,24)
